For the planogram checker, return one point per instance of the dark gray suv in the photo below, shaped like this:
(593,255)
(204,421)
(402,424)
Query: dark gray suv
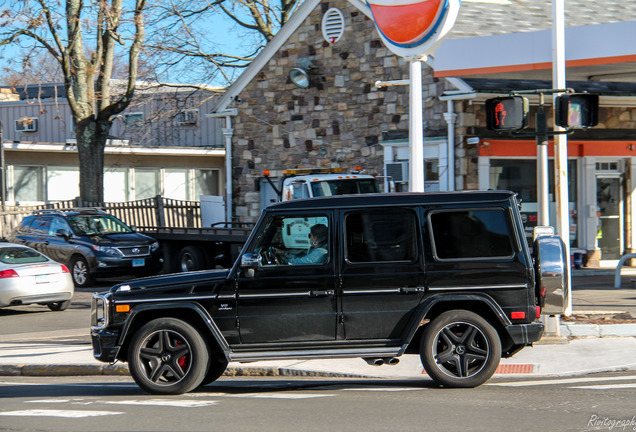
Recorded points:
(90,242)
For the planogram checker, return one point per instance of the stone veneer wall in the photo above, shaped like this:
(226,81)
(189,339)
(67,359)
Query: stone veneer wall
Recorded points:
(338,121)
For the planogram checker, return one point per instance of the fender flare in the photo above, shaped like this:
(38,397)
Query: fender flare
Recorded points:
(425,307)
(202,314)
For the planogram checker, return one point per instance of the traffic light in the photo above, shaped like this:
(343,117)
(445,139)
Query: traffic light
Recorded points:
(576,110)
(507,114)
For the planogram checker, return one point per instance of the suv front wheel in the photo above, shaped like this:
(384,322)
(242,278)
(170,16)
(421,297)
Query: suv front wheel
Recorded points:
(80,272)
(168,356)
(460,349)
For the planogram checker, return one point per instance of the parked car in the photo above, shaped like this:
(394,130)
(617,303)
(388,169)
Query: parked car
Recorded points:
(448,276)
(90,242)
(28,277)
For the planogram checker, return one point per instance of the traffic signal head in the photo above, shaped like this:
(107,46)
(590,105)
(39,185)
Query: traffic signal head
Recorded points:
(576,110)
(507,114)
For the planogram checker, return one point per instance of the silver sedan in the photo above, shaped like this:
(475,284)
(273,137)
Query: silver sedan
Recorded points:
(28,277)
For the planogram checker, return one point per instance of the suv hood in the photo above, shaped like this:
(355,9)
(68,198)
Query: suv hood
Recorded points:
(121,239)
(191,282)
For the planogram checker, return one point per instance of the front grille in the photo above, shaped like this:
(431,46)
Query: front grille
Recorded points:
(135,251)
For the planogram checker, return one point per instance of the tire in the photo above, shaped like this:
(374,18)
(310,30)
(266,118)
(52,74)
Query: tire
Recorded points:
(168,356)
(59,306)
(81,273)
(215,370)
(460,349)
(191,258)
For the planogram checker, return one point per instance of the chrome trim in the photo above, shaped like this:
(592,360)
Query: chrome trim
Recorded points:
(370,291)
(274,295)
(552,273)
(308,354)
(168,299)
(479,287)
(104,306)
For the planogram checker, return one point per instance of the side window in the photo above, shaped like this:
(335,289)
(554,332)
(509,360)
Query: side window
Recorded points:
(40,226)
(470,234)
(294,240)
(296,190)
(25,225)
(381,235)
(58,223)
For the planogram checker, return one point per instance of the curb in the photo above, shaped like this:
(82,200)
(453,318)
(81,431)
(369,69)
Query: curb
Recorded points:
(597,330)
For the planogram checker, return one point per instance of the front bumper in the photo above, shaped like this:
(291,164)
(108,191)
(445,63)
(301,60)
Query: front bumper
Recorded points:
(105,346)
(525,334)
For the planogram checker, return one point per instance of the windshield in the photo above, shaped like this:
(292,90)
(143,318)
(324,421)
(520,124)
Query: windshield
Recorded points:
(91,225)
(19,255)
(344,187)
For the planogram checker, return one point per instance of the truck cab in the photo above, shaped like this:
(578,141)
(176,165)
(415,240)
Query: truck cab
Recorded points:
(319,182)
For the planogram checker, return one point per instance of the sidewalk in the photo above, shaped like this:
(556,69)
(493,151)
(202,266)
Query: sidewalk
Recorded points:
(582,347)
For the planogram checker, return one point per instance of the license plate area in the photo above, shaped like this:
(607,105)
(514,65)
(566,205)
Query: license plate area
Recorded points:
(138,262)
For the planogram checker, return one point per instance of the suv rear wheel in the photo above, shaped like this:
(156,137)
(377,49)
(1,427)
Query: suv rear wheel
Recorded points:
(460,349)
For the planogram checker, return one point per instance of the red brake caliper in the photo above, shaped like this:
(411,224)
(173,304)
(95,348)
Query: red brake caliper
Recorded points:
(183,359)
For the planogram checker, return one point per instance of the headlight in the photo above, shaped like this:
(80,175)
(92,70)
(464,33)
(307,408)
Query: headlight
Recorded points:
(108,250)
(154,247)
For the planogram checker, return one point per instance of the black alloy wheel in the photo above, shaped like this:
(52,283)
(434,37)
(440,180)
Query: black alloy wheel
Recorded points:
(460,349)
(168,356)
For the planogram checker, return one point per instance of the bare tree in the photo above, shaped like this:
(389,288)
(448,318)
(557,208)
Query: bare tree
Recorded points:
(256,22)
(86,64)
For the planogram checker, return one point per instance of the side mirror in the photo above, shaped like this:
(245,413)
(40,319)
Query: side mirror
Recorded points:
(249,263)
(63,233)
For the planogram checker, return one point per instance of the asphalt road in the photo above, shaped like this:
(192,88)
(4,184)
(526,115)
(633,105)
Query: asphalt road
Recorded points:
(582,403)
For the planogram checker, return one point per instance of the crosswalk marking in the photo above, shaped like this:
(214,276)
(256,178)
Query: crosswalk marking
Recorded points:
(606,386)
(561,381)
(58,413)
(164,402)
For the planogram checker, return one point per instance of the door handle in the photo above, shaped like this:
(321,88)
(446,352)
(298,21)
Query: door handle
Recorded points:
(321,293)
(412,290)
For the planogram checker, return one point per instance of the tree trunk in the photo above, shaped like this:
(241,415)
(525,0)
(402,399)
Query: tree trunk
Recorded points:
(91,141)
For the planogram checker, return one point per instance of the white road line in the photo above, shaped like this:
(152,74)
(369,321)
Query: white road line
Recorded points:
(384,389)
(58,413)
(606,387)
(561,381)
(163,402)
(264,395)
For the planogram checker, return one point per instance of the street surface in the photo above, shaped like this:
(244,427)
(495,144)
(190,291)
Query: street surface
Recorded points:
(581,403)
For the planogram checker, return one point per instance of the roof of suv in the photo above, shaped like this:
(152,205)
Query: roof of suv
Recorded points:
(69,212)
(410,198)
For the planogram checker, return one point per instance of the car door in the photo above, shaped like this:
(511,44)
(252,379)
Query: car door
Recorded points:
(59,248)
(288,298)
(382,273)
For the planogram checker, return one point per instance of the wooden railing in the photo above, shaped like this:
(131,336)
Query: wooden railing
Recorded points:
(146,214)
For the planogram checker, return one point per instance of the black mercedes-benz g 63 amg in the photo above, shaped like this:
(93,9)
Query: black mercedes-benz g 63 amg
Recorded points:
(447,275)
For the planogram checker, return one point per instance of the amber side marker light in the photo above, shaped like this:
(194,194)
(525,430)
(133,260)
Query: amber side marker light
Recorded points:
(122,308)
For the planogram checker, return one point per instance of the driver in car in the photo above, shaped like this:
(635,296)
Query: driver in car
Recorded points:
(317,252)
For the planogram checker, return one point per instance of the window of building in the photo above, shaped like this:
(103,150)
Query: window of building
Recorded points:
(147,183)
(470,234)
(28,183)
(381,235)
(188,117)
(62,183)
(117,189)
(134,120)
(206,182)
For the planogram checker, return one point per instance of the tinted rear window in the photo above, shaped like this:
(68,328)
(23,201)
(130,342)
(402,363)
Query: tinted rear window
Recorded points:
(466,234)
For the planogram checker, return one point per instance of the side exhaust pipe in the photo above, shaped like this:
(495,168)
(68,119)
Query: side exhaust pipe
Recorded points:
(382,361)
(374,361)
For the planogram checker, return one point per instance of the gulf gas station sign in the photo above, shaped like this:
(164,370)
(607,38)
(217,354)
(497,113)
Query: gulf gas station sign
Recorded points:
(413,28)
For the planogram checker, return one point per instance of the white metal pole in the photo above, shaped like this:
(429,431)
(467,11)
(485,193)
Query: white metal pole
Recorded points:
(416,134)
(560,141)
(227,133)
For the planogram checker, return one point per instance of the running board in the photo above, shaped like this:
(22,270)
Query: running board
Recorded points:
(315,354)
